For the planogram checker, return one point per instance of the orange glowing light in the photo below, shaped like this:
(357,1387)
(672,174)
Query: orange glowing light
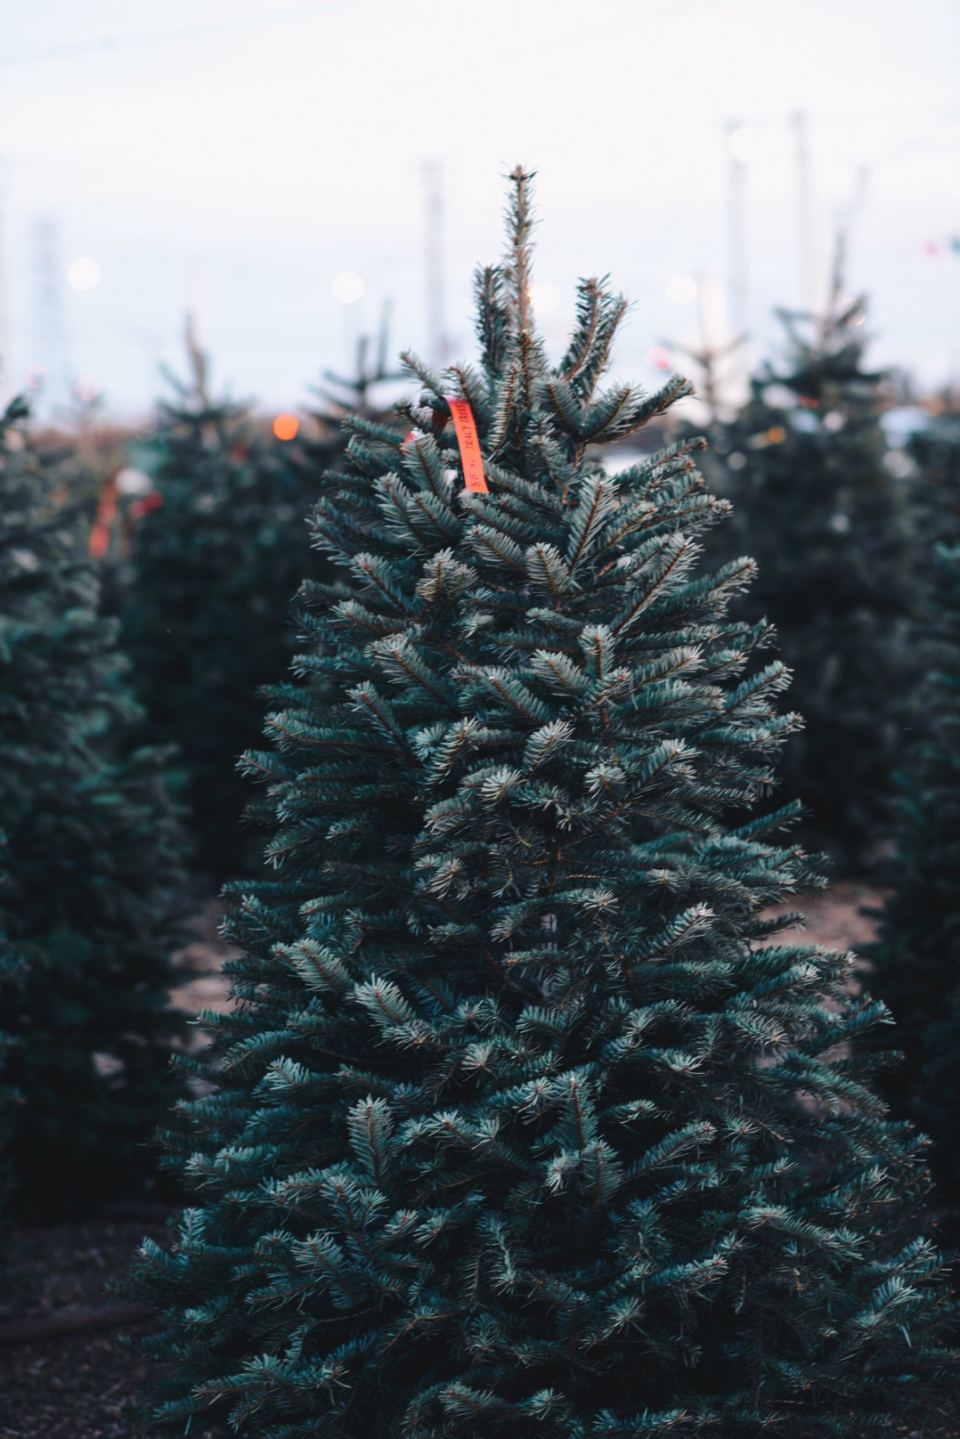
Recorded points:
(286,427)
(776,435)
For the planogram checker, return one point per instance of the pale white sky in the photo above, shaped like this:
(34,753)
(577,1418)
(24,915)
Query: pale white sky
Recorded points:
(270,146)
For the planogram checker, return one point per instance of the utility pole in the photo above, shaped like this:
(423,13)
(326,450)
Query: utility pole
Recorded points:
(48,277)
(194,334)
(6,358)
(433,257)
(811,265)
(737,304)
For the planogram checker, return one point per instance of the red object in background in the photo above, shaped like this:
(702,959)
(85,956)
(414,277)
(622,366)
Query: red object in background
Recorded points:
(99,541)
(146,506)
(286,427)
(658,357)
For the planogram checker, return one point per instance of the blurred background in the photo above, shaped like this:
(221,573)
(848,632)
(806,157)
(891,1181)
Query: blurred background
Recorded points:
(283,171)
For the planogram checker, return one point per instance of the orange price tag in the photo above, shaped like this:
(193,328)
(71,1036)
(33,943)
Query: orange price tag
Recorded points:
(470,456)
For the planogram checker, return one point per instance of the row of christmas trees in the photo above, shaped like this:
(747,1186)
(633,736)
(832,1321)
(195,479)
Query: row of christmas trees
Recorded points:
(841,524)
(529,1118)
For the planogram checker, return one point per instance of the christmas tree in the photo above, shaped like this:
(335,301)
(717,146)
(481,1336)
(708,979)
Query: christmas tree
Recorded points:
(207,619)
(89,863)
(519,1128)
(341,396)
(918,957)
(830,530)
(934,452)
(217,564)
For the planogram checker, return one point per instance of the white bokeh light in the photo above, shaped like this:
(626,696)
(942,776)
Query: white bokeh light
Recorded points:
(681,289)
(348,287)
(84,273)
(744,143)
(545,298)
(131,481)
(86,390)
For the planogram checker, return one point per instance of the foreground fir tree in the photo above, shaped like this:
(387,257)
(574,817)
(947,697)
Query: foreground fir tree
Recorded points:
(829,527)
(89,863)
(207,620)
(918,957)
(518,1131)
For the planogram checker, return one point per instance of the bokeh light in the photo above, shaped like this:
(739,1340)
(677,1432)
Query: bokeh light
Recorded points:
(681,289)
(545,298)
(658,357)
(348,287)
(131,481)
(744,143)
(84,273)
(286,427)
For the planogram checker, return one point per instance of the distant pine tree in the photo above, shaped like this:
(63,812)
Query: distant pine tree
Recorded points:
(935,451)
(518,1127)
(207,618)
(90,860)
(216,567)
(342,396)
(831,531)
(918,957)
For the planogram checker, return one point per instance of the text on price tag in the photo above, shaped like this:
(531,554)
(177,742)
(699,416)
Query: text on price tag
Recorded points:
(469,445)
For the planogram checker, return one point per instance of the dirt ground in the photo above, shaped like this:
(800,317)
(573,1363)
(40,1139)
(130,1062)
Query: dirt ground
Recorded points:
(81,1387)
(86,1386)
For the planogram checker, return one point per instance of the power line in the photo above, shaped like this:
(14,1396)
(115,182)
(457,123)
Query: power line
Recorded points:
(107,43)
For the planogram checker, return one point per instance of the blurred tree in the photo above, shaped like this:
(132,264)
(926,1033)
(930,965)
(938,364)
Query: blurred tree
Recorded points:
(935,453)
(216,567)
(917,959)
(831,530)
(506,1138)
(207,614)
(90,863)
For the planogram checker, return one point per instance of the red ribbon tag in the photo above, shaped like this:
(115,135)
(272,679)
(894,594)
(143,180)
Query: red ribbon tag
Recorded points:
(470,456)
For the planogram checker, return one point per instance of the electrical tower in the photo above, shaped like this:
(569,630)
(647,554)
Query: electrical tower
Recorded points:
(437,348)
(737,298)
(7,385)
(811,260)
(49,358)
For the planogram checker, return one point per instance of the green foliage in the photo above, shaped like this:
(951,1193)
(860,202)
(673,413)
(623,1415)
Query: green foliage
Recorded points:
(830,530)
(207,618)
(918,957)
(89,861)
(518,1129)
(935,451)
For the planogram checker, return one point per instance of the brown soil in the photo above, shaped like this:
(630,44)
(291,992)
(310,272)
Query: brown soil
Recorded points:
(83,1387)
(203,985)
(834,917)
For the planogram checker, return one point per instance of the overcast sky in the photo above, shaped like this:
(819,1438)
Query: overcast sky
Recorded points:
(263,148)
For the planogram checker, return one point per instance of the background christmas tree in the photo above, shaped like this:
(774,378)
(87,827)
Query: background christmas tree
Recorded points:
(90,862)
(216,567)
(517,1130)
(831,531)
(935,453)
(207,619)
(918,957)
